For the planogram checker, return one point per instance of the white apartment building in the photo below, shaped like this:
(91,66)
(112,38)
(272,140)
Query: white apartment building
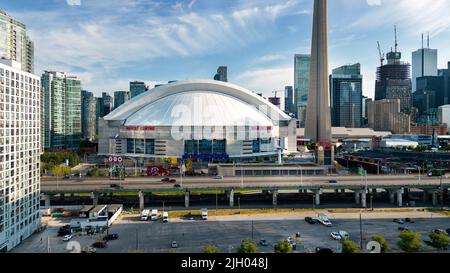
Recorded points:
(19,154)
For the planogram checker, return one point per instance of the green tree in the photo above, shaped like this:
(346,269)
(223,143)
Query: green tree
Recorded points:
(283,247)
(410,241)
(248,246)
(439,240)
(61,170)
(210,249)
(382,241)
(348,246)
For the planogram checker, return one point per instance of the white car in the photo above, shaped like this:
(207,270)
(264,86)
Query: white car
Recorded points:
(325,222)
(336,236)
(67,238)
(174,244)
(218,177)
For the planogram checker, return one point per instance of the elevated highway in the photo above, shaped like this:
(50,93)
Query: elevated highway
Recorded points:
(362,186)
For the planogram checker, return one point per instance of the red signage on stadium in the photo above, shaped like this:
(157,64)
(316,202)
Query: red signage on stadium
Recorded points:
(140,128)
(262,128)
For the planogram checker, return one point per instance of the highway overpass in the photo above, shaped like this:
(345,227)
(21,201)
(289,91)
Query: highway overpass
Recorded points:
(433,187)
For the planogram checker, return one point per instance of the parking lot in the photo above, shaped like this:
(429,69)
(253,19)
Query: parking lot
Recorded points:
(226,232)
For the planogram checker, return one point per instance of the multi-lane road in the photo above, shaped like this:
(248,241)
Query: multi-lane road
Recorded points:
(288,182)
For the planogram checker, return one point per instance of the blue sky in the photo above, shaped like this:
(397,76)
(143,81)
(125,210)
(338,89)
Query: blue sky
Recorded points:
(107,43)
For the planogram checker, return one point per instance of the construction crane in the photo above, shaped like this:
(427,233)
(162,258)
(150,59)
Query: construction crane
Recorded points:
(276,93)
(381,54)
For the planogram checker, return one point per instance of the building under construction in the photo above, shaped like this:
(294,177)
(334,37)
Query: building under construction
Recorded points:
(394,80)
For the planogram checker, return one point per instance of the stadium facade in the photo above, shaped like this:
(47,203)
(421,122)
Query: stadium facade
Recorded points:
(201,120)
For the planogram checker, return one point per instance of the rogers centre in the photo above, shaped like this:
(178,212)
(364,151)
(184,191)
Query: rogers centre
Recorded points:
(205,121)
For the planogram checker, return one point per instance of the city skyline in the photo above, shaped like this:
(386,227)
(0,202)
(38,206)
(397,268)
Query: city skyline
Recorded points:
(256,41)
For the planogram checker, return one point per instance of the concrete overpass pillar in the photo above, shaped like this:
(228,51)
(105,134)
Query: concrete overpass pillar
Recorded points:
(392,197)
(317,198)
(357,198)
(400,198)
(435,198)
(363,199)
(46,200)
(231,196)
(275,198)
(141,200)
(186,199)
(95,199)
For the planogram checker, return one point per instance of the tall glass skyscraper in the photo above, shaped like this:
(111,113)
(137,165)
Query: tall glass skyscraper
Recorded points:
(61,110)
(302,63)
(346,96)
(120,97)
(137,88)
(424,63)
(15,43)
(88,115)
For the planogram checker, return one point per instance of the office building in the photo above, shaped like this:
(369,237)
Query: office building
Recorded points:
(365,103)
(222,74)
(15,43)
(386,115)
(61,110)
(433,129)
(275,101)
(107,101)
(346,96)
(446,75)
(428,97)
(20,138)
(88,115)
(120,97)
(289,100)
(444,115)
(302,64)
(137,88)
(394,81)
(424,63)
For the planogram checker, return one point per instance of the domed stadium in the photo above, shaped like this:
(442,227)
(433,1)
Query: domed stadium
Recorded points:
(201,120)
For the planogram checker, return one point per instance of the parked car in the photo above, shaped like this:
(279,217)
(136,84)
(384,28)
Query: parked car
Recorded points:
(263,243)
(321,250)
(310,220)
(409,220)
(440,231)
(110,237)
(67,238)
(335,236)
(100,244)
(399,221)
(174,244)
(89,249)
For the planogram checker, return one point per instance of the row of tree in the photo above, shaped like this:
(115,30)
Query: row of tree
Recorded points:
(409,242)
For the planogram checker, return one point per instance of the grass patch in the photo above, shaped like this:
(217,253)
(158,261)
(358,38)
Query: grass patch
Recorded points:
(444,212)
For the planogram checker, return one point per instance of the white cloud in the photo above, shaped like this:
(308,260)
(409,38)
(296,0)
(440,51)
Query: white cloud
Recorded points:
(267,80)
(414,15)
(374,2)
(73,2)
